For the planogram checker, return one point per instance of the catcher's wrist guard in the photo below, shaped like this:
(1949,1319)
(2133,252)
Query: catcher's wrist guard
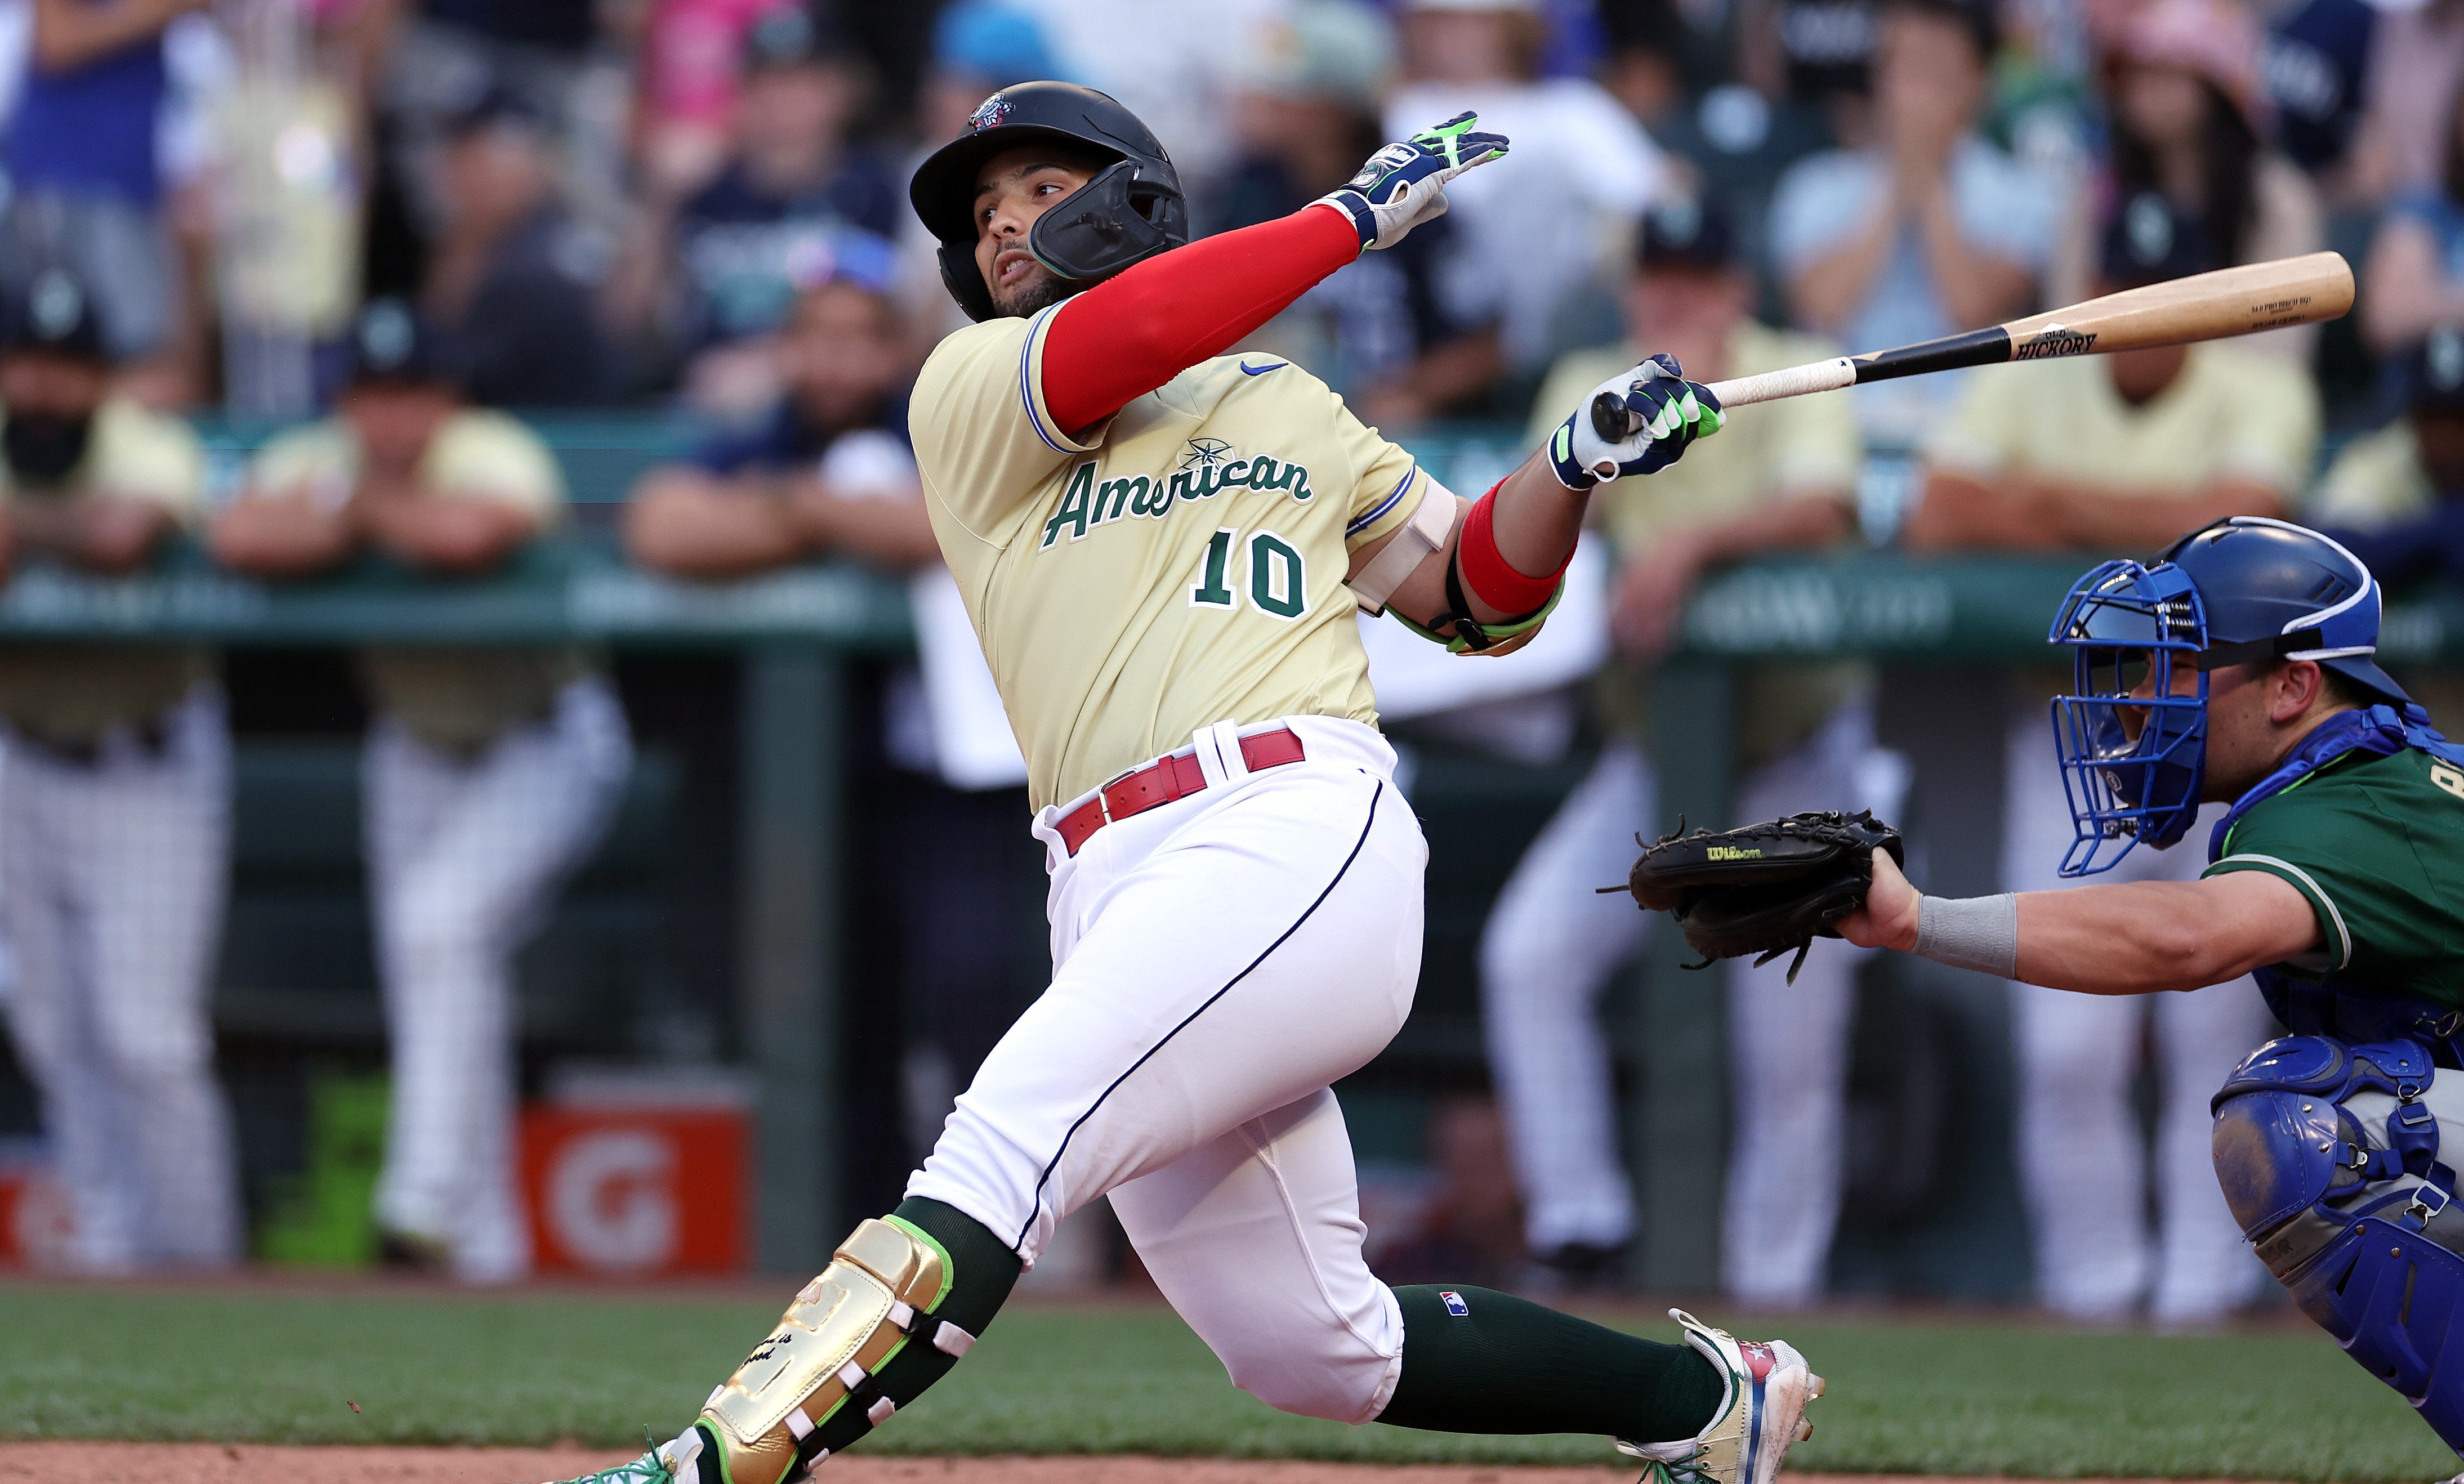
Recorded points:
(1763,889)
(877,1295)
(1971,933)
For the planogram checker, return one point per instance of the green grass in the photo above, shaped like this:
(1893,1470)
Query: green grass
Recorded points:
(1941,1397)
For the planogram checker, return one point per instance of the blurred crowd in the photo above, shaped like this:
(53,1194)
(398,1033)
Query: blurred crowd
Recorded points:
(394,226)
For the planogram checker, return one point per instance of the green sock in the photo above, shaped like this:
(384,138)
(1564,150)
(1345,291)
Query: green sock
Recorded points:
(1506,1364)
(982,1271)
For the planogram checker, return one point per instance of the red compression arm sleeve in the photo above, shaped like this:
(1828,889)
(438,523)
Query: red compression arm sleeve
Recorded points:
(1130,334)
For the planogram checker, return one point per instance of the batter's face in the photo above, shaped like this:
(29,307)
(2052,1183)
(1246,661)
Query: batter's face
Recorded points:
(1013,188)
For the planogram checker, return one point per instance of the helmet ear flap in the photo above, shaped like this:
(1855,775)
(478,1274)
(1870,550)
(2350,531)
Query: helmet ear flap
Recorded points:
(965,282)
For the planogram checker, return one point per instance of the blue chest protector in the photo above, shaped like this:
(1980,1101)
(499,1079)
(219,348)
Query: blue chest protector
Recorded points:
(2362,1232)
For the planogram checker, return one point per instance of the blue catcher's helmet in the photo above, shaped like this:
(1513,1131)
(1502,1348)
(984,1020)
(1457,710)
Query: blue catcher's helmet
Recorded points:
(2134,753)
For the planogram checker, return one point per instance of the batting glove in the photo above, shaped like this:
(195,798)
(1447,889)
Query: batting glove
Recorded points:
(1405,184)
(1663,414)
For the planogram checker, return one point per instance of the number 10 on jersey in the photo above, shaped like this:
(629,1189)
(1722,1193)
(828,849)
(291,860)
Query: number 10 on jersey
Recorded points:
(1276,578)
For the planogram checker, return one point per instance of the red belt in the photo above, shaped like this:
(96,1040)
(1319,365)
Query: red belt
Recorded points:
(1165,779)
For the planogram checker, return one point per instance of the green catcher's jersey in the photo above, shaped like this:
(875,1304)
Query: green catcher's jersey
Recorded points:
(2376,844)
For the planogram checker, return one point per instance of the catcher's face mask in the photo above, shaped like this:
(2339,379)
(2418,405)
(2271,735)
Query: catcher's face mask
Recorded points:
(2132,736)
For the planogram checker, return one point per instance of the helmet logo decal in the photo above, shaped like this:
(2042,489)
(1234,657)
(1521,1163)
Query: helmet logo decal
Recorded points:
(988,114)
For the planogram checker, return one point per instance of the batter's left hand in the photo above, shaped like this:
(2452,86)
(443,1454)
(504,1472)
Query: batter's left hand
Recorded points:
(1664,414)
(1405,184)
(1888,919)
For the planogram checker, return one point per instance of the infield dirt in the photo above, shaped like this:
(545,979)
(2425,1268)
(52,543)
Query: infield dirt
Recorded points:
(217,1463)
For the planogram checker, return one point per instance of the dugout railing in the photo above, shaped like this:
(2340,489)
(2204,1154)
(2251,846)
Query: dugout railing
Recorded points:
(1942,632)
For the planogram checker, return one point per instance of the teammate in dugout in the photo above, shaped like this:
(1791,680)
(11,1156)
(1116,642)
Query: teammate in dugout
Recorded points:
(1162,548)
(2239,668)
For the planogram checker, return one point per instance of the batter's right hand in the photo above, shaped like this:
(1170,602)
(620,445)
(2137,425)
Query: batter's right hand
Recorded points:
(1638,422)
(1405,184)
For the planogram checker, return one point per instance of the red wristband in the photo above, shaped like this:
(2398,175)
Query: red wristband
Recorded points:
(1488,575)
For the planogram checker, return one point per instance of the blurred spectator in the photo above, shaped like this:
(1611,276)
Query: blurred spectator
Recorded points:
(2409,97)
(714,275)
(2318,54)
(829,471)
(1547,223)
(1379,330)
(489,773)
(2104,454)
(1824,51)
(510,281)
(2414,273)
(686,87)
(1169,67)
(768,497)
(1551,947)
(1928,230)
(442,57)
(2395,497)
(2184,84)
(85,187)
(1731,143)
(115,814)
(285,219)
(979,48)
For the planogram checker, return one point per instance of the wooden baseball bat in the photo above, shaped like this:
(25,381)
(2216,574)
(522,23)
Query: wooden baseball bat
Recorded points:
(2214,306)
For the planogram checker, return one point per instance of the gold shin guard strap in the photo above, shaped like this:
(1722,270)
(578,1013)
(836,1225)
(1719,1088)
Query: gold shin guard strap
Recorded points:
(877,1294)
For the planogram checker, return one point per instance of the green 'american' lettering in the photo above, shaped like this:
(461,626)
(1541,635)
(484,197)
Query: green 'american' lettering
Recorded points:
(1074,506)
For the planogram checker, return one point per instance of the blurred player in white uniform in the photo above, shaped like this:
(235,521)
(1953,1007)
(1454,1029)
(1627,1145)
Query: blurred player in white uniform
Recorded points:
(114,814)
(489,773)
(1551,946)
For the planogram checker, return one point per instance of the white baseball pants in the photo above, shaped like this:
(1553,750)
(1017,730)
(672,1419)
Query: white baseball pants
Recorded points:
(1218,962)
(2082,1154)
(116,872)
(464,857)
(1550,950)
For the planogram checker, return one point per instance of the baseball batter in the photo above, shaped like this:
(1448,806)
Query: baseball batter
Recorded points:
(2238,669)
(1161,547)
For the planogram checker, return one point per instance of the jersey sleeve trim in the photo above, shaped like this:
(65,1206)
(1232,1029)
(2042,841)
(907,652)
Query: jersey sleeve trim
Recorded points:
(1366,522)
(2301,880)
(1030,389)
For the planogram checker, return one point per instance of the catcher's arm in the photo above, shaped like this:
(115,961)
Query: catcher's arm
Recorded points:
(2117,938)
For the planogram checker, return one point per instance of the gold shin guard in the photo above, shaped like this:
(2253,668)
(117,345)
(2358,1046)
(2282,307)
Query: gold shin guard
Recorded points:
(877,1294)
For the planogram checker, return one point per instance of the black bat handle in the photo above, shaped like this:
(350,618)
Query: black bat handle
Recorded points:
(1612,419)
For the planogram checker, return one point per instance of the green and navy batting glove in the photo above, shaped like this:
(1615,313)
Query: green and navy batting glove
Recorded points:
(1663,415)
(1405,184)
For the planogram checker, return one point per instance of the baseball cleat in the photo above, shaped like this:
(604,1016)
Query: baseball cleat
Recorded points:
(677,1462)
(1747,1438)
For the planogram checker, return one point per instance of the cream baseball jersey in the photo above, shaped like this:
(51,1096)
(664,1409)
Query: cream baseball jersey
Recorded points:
(1178,565)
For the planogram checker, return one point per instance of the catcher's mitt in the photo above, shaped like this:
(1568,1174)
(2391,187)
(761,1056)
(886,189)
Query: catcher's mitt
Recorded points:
(1763,889)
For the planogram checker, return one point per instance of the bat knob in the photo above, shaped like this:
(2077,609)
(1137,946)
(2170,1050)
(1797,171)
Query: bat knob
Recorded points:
(1611,419)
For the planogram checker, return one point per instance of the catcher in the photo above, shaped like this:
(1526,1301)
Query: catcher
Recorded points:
(2236,668)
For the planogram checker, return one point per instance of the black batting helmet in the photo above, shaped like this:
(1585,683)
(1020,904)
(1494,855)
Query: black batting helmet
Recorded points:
(1132,210)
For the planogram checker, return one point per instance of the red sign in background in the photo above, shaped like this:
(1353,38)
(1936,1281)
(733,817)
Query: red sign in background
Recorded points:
(34,1218)
(637,1191)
